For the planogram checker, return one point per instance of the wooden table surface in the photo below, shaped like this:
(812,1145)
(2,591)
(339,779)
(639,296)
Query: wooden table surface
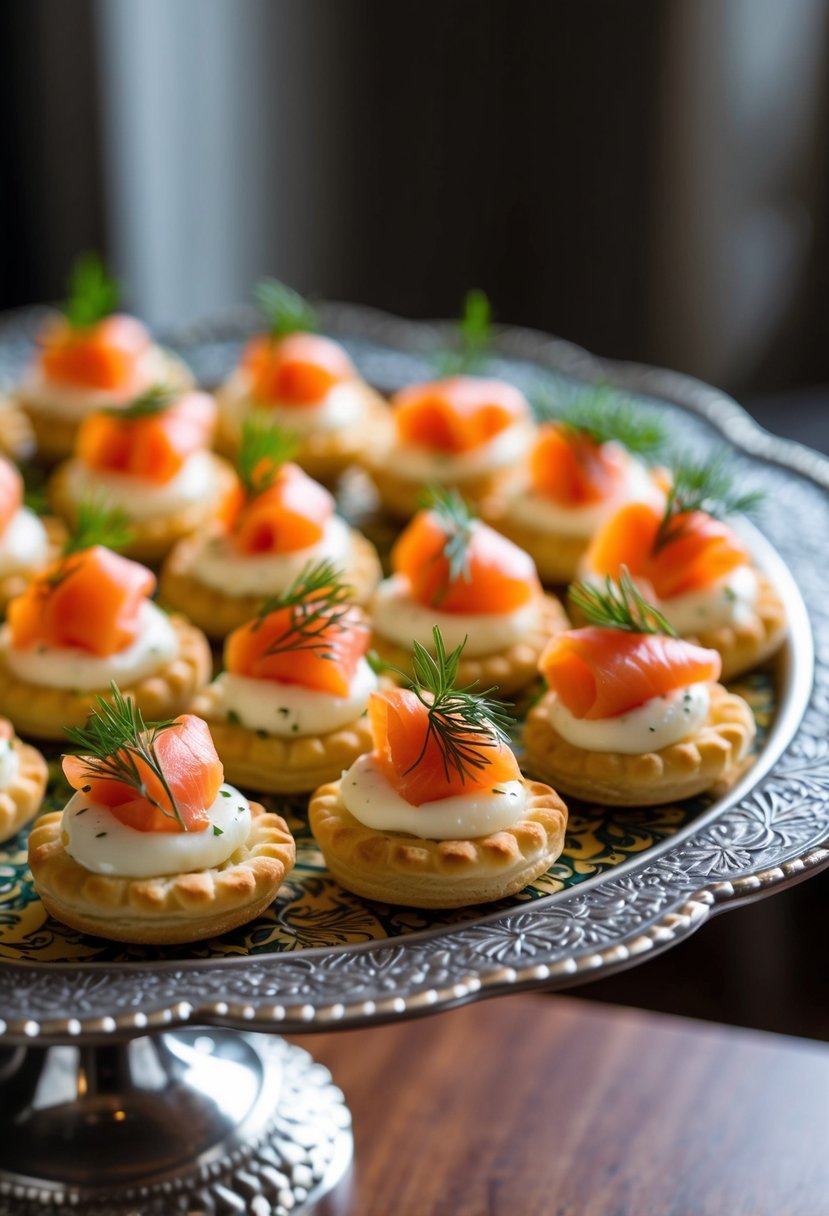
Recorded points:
(537,1105)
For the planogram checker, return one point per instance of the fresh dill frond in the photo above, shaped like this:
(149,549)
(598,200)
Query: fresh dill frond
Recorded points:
(463,722)
(318,602)
(457,521)
(98,523)
(620,605)
(702,486)
(265,447)
(93,292)
(473,336)
(605,416)
(285,310)
(116,742)
(154,400)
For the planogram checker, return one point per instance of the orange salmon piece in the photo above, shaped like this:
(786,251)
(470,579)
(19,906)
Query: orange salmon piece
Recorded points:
(154,447)
(572,470)
(413,762)
(601,673)
(458,414)
(11,493)
(90,600)
(101,356)
(327,667)
(299,369)
(291,514)
(500,576)
(191,768)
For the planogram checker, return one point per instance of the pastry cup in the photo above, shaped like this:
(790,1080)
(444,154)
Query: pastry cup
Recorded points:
(398,868)
(402,498)
(744,646)
(277,764)
(507,670)
(155,536)
(17,438)
(166,910)
(55,434)
(713,756)
(15,584)
(43,711)
(218,613)
(21,798)
(556,555)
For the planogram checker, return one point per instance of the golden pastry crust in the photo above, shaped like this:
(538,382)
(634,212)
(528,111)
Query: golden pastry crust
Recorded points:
(402,498)
(276,764)
(153,538)
(17,438)
(43,711)
(397,868)
(556,555)
(55,434)
(219,614)
(744,646)
(507,670)
(12,585)
(323,454)
(714,756)
(166,910)
(21,798)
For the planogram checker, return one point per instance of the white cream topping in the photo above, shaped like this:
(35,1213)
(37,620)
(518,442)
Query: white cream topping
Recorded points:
(401,619)
(290,710)
(9,763)
(216,563)
(414,463)
(341,406)
(24,544)
(729,601)
(101,843)
(141,497)
(370,797)
(74,402)
(70,667)
(647,728)
(545,515)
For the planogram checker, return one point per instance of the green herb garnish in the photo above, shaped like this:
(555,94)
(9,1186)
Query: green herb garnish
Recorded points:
(264,448)
(93,293)
(285,311)
(473,337)
(620,605)
(604,416)
(152,401)
(217,831)
(702,486)
(457,522)
(318,602)
(97,523)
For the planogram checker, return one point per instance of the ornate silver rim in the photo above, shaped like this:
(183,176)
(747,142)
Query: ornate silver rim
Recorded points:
(772,830)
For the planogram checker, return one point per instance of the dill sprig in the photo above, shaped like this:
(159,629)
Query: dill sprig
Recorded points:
(93,293)
(463,722)
(97,523)
(602,414)
(473,336)
(154,400)
(457,522)
(702,486)
(319,603)
(620,606)
(116,742)
(285,311)
(264,448)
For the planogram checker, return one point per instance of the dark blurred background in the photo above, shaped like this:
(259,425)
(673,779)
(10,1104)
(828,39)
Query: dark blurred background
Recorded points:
(648,180)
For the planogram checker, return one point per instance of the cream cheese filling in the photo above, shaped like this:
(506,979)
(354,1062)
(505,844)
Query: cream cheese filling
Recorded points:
(217,564)
(342,405)
(141,497)
(729,601)
(74,402)
(24,544)
(422,464)
(648,728)
(9,763)
(290,710)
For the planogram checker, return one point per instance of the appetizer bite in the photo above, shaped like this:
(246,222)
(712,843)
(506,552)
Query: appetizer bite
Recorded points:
(437,814)
(154,847)
(581,467)
(149,459)
(306,382)
(26,542)
(453,571)
(17,439)
(23,777)
(278,522)
(90,358)
(85,621)
(634,716)
(288,711)
(695,568)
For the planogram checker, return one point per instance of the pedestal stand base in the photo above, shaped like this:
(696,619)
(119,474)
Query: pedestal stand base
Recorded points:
(198,1122)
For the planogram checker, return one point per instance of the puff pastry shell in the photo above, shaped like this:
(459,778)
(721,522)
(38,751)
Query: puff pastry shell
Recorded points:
(22,797)
(556,555)
(750,643)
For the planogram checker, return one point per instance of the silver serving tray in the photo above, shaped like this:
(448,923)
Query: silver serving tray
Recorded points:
(771,830)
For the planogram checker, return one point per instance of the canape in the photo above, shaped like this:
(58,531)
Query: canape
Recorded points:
(580,468)
(451,570)
(23,777)
(289,710)
(154,846)
(634,715)
(17,438)
(695,568)
(437,814)
(27,543)
(306,382)
(149,459)
(279,522)
(89,358)
(85,621)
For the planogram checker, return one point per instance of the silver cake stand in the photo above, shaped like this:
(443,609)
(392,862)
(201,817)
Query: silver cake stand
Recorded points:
(150,1088)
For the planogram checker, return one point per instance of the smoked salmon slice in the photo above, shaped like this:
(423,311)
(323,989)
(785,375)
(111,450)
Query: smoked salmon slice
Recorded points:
(601,673)
(90,599)
(573,470)
(413,761)
(299,369)
(698,550)
(191,768)
(291,514)
(495,575)
(152,446)
(458,414)
(310,644)
(11,493)
(103,356)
